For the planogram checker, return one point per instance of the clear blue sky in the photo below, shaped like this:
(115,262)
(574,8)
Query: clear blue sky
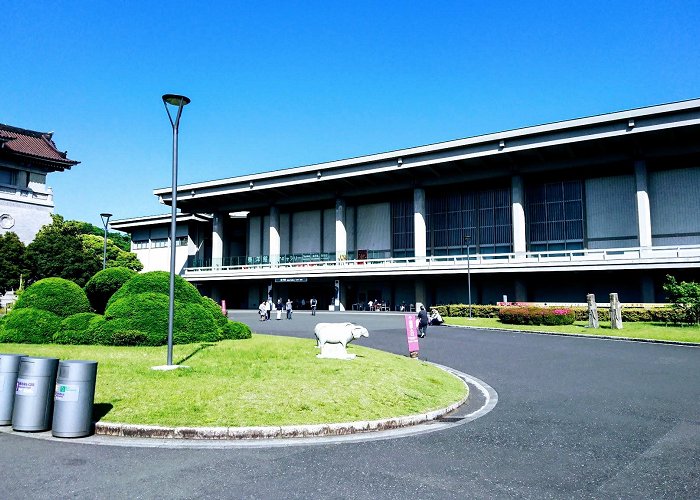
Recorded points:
(283,84)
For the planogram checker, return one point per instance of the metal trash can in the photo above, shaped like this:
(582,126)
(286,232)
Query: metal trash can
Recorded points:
(74,399)
(34,394)
(9,367)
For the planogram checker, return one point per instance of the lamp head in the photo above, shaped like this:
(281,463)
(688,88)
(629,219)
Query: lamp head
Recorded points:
(176,100)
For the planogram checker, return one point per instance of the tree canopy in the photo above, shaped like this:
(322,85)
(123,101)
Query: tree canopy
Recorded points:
(11,261)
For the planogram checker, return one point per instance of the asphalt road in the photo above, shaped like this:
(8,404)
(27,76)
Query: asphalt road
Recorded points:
(576,418)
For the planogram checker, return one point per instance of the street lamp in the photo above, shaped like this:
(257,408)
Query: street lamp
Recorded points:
(179,102)
(467,238)
(105,222)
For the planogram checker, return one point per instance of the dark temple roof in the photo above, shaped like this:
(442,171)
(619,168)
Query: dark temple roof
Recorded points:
(28,146)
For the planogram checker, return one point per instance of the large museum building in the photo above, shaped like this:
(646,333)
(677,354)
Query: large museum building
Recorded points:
(548,213)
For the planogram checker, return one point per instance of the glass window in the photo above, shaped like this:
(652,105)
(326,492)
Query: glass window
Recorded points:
(555,216)
(140,244)
(6,176)
(159,243)
(402,228)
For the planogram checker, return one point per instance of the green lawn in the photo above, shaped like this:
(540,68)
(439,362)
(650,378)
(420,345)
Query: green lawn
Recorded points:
(640,330)
(265,380)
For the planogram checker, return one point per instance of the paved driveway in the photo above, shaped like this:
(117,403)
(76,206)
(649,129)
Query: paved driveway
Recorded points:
(576,418)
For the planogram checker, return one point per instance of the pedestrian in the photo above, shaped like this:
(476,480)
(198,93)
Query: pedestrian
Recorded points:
(422,321)
(270,305)
(280,306)
(262,310)
(289,308)
(313,303)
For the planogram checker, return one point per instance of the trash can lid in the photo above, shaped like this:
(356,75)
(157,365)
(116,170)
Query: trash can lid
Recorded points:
(76,370)
(9,363)
(37,366)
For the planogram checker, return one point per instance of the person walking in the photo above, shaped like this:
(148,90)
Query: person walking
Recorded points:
(280,306)
(313,303)
(289,308)
(422,321)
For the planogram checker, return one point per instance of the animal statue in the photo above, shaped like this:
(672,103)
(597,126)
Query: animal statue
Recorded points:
(333,338)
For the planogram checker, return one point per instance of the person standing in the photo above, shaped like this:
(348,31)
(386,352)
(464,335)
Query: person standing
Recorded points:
(422,321)
(280,306)
(289,308)
(313,303)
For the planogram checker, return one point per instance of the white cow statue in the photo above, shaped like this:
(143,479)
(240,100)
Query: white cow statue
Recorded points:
(333,339)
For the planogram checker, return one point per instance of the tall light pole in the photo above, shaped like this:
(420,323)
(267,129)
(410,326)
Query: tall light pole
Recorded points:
(179,102)
(467,239)
(105,222)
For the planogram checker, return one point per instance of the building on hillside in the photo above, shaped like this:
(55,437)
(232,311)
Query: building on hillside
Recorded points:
(546,213)
(26,157)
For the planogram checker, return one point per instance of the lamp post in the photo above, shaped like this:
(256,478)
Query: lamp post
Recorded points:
(467,239)
(179,102)
(105,222)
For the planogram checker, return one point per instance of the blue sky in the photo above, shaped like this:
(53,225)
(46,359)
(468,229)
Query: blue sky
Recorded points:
(283,84)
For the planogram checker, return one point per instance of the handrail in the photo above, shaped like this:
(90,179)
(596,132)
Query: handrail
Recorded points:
(475,260)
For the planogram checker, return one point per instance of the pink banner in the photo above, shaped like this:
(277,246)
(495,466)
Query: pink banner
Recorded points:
(411,333)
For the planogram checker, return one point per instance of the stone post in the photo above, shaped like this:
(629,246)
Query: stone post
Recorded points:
(615,313)
(592,311)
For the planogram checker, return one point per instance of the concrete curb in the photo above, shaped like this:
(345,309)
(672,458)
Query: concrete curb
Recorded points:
(581,335)
(276,432)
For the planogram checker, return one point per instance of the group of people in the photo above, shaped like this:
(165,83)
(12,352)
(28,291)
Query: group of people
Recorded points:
(266,307)
(425,319)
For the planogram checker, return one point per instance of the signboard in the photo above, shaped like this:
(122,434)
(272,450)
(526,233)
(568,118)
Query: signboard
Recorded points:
(25,387)
(65,392)
(411,334)
(290,280)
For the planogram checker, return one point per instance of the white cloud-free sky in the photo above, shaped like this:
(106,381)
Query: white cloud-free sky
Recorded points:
(283,84)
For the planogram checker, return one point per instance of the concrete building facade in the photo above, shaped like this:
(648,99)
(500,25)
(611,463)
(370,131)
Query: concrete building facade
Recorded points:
(546,213)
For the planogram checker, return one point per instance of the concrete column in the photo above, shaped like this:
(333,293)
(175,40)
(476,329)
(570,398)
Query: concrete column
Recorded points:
(419,243)
(643,209)
(341,236)
(518,201)
(217,240)
(421,294)
(274,235)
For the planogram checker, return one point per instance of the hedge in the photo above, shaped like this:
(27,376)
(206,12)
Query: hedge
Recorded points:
(75,329)
(30,326)
(104,284)
(57,295)
(157,282)
(235,330)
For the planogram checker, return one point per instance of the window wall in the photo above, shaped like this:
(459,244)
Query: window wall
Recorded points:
(555,216)
(402,228)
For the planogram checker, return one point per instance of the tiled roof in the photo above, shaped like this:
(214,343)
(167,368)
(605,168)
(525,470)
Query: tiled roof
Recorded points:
(36,145)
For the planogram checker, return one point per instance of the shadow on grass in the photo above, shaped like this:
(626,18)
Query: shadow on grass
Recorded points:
(99,410)
(193,353)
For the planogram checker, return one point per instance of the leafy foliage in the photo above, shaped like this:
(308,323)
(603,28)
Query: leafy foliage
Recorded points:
(29,326)
(116,257)
(122,241)
(104,284)
(515,315)
(75,329)
(685,297)
(157,282)
(11,261)
(236,330)
(57,295)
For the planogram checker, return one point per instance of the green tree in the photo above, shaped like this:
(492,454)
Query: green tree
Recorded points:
(122,241)
(116,257)
(57,251)
(11,261)
(685,297)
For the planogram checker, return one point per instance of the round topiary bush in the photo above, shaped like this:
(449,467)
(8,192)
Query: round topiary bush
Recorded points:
(144,312)
(30,326)
(194,323)
(235,330)
(104,284)
(56,295)
(215,310)
(75,329)
(116,332)
(157,282)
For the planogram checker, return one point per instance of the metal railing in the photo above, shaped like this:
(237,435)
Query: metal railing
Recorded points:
(476,261)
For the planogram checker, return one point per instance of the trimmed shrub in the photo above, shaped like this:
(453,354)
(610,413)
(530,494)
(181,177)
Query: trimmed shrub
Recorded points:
(128,338)
(103,332)
(144,312)
(194,323)
(75,329)
(104,284)
(235,330)
(30,326)
(558,316)
(157,282)
(215,310)
(57,295)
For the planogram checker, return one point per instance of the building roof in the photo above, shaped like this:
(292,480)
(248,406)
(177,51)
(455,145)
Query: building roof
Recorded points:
(37,147)
(637,132)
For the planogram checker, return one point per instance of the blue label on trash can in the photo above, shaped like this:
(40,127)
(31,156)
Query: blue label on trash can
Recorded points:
(66,392)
